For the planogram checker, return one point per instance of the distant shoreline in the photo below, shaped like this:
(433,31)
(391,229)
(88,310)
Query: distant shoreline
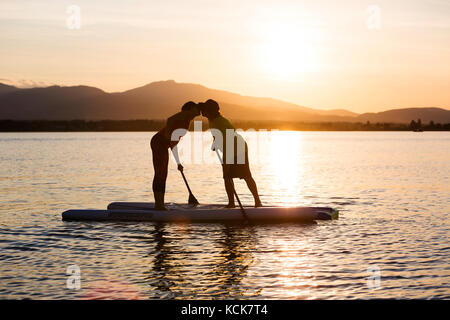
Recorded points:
(155,125)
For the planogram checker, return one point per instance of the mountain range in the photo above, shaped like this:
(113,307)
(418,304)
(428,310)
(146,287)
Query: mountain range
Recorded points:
(159,100)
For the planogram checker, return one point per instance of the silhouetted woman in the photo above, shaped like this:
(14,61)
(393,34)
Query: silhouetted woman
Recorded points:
(162,141)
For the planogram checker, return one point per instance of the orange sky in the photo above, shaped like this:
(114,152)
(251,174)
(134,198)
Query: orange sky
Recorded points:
(333,54)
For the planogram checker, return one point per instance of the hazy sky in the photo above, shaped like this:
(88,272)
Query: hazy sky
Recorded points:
(353,54)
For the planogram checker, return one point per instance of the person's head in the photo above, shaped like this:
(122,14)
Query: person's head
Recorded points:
(210,109)
(192,108)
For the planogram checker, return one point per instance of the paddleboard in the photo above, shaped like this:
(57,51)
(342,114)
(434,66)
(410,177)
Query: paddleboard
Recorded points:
(143,211)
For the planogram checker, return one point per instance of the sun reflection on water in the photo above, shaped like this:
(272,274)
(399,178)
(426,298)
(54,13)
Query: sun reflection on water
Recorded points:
(283,164)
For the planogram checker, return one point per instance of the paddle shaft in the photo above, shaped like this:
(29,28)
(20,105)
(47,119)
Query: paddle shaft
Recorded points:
(234,191)
(192,199)
(187,184)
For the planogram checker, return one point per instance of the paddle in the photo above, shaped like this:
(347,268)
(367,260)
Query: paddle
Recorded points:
(235,193)
(192,200)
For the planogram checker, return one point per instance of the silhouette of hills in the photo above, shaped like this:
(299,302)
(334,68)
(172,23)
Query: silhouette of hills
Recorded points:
(158,100)
(406,115)
(4,88)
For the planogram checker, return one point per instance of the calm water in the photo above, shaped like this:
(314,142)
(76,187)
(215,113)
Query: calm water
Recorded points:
(392,190)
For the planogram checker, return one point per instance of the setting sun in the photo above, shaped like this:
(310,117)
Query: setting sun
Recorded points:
(287,51)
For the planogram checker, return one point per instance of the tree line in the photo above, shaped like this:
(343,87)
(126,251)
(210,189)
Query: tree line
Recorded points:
(155,125)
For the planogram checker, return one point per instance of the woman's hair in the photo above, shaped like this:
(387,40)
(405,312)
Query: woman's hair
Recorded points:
(189,106)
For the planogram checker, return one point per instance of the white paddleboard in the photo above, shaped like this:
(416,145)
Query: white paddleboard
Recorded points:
(143,211)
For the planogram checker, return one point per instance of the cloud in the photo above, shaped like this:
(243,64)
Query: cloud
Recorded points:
(25,83)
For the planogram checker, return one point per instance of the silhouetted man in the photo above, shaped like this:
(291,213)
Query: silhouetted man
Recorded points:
(162,141)
(238,167)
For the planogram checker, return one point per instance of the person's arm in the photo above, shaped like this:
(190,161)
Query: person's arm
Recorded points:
(177,157)
(214,132)
(174,135)
(217,144)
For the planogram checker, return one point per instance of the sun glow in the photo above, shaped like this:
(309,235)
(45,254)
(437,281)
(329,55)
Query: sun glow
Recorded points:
(288,51)
(285,151)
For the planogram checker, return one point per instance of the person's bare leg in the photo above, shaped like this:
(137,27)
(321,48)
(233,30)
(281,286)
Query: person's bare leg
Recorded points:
(229,187)
(251,184)
(159,183)
(159,200)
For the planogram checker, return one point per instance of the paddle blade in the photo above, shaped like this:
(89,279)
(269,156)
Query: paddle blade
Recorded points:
(192,200)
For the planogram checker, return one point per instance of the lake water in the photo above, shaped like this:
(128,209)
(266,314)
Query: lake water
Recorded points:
(392,239)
